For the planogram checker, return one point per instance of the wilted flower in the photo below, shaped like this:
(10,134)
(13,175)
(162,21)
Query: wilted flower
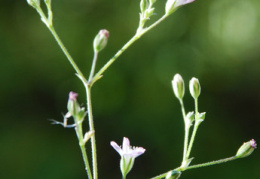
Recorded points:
(246,149)
(128,155)
(73,105)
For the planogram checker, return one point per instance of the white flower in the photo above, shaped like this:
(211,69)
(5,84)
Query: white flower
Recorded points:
(128,155)
(172,5)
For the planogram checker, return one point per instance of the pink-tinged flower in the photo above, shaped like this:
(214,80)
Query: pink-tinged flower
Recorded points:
(73,96)
(172,5)
(128,155)
(253,143)
(73,106)
(182,2)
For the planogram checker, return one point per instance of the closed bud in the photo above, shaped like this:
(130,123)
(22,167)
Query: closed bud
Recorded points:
(100,40)
(173,174)
(149,12)
(34,3)
(246,149)
(73,106)
(178,86)
(143,5)
(194,88)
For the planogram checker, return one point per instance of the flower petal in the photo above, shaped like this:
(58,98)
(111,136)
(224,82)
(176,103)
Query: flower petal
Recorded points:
(126,145)
(116,147)
(182,2)
(138,151)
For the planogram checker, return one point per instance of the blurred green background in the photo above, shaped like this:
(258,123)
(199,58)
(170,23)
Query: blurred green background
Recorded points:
(217,41)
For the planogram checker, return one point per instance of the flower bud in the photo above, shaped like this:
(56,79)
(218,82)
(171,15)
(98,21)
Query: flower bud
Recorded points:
(34,3)
(246,149)
(194,88)
(73,106)
(178,86)
(149,12)
(100,40)
(173,174)
(152,1)
(143,5)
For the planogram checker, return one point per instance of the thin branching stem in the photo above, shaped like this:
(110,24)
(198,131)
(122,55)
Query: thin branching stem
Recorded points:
(91,127)
(186,130)
(119,52)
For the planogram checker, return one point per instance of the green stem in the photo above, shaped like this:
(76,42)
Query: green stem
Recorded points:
(93,65)
(211,163)
(91,126)
(195,128)
(63,48)
(82,147)
(154,24)
(48,23)
(186,128)
(104,68)
(138,34)
(163,175)
(65,51)
(197,166)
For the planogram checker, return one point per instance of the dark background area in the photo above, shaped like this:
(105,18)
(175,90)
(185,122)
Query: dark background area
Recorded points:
(216,41)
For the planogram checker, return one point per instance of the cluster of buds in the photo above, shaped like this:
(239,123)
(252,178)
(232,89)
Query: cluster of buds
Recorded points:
(147,10)
(178,87)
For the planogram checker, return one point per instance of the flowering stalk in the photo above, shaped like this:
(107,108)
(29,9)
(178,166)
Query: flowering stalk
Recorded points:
(178,87)
(99,44)
(195,92)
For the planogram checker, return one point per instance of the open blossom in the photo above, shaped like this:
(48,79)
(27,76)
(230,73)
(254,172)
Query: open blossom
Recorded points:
(172,5)
(128,155)
(182,2)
